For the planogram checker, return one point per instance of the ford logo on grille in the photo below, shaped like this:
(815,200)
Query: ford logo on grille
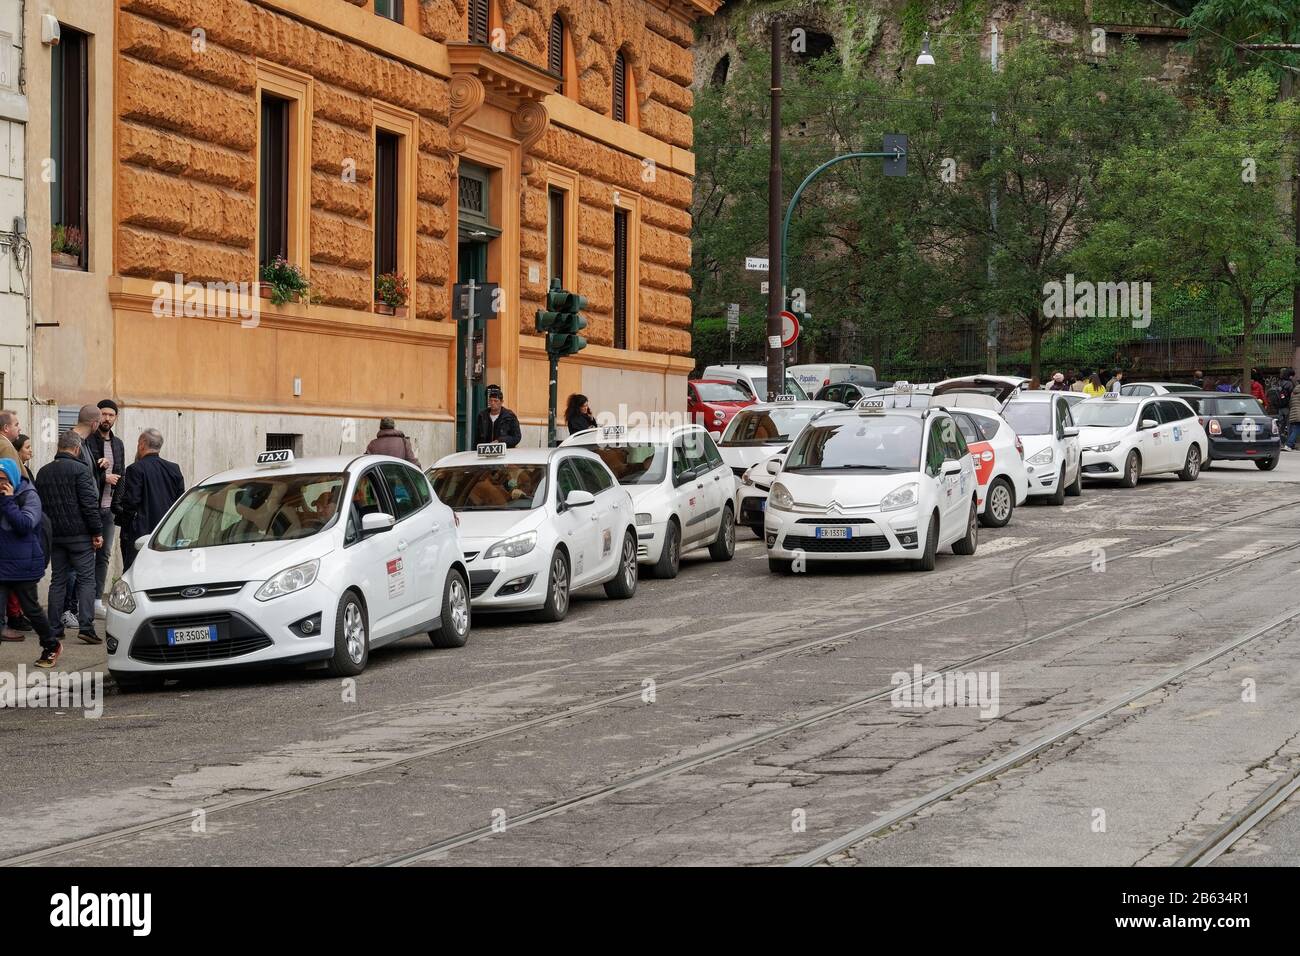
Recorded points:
(194,592)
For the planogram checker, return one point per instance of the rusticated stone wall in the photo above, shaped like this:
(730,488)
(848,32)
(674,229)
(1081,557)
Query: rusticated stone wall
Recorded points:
(187,148)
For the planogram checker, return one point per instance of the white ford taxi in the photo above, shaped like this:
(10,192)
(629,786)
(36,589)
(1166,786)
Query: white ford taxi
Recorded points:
(1127,436)
(875,481)
(321,559)
(681,490)
(537,524)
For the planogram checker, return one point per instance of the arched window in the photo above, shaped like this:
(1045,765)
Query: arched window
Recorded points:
(625,100)
(477,25)
(555,48)
(560,58)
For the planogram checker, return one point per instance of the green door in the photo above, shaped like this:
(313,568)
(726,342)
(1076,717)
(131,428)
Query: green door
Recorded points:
(472,264)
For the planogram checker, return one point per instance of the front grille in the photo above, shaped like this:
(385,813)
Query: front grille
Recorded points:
(480,581)
(836,522)
(875,542)
(236,636)
(224,589)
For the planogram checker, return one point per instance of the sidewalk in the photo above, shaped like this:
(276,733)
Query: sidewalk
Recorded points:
(76,655)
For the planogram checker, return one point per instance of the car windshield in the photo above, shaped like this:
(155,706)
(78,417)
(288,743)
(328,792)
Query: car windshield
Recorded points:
(791,388)
(768,426)
(884,443)
(635,463)
(1104,414)
(721,392)
(1231,406)
(1028,418)
(497,487)
(252,511)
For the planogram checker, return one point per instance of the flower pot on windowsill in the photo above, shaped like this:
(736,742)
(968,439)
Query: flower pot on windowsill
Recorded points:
(383,308)
(66,260)
(264,290)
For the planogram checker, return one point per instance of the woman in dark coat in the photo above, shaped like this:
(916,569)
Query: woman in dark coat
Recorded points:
(23,553)
(577,414)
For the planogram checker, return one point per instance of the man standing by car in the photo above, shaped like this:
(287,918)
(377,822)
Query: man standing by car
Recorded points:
(68,496)
(496,422)
(109,455)
(151,486)
(389,441)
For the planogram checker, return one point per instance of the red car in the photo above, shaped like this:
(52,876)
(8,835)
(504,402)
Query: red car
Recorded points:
(713,403)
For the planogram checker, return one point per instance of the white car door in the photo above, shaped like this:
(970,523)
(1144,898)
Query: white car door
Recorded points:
(687,489)
(1156,441)
(374,562)
(950,500)
(719,486)
(418,584)
(1069,446)
(605,512)
(577,527)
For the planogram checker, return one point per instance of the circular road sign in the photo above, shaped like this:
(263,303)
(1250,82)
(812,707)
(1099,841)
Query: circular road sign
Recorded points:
(789,328)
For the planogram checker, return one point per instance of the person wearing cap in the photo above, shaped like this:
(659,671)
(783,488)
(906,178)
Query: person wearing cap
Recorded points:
(23,553)
(389,441)
(69,498)
(110,463)
(496,422)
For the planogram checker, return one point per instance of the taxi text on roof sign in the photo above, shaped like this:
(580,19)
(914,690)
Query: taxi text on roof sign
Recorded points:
(871,406)
(1111,396)
(784,397)
(903,387)
(493,449)
(281,457)
(613,431)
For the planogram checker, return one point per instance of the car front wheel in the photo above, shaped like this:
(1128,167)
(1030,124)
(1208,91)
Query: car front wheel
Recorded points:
(557,589)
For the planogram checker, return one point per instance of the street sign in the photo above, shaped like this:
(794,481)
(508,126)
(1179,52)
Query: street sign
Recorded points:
(762,288)
(755,264)
(896,165)
(473,303)
(733,316)
(789,329)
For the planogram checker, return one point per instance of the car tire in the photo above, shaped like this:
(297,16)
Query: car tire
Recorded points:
(999,504)
(455,617)
(129,683)
(557,589)
(670,558)
(780,565)
(926,561)
(1132,470)
(1192,466)
(1076,489)
(1057,497)
(724,548)
(623,585)
(1263,464)
(351,637)
(967,544)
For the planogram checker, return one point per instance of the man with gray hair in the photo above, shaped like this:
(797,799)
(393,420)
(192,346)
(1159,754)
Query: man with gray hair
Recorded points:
(68,497)
(150,487)
(10,429)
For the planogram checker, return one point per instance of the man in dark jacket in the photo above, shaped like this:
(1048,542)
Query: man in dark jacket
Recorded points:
(496,422)
(22,553)
(151,486)
(389,441)
(109,456)
(67,490)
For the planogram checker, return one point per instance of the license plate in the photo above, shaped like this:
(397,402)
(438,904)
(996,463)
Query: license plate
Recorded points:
(192,635)
(834,533)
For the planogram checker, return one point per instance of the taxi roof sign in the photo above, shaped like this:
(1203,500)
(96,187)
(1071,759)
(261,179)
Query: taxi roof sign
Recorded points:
(783,397)
(1111,396)
(613,431)
(493,449)
(871,406)
(903,388)
(274,459)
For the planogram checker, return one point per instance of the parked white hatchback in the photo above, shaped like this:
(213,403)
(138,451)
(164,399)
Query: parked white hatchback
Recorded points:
(1045,424)
(1127,436)
(537,524)
(874,482)
(320,559)
(681,490)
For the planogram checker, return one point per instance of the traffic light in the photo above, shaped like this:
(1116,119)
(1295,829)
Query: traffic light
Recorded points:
(562,320)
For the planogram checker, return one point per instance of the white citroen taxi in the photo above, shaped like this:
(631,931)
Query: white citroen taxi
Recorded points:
(681,490)
(320,559)
(1127,436)
(537,524)
(1044,422)
(876,481)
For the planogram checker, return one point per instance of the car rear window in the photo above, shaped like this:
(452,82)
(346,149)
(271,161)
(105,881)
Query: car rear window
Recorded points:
(1230,406)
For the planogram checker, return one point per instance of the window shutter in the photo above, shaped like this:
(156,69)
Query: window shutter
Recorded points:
(620,279)
(555,54)
(478,21)
(620,88)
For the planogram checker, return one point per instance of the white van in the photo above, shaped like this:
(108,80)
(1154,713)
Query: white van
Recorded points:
(754,378)
(813,377)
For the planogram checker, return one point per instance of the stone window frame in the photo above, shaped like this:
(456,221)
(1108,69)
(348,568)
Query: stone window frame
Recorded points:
(629,203)
(404,124)
(566,181)
(296,87)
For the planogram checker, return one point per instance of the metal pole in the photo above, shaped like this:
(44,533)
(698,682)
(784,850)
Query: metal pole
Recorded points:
(554,397)
(469,367)
(992,336)
(776,265)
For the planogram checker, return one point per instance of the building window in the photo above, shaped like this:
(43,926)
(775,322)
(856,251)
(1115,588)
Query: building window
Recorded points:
(387,150)
(284,441)
(69,137)
(620,87)
(273,205)
(555,48)
(555,236)
(477,26)
(389,9)
(620,279)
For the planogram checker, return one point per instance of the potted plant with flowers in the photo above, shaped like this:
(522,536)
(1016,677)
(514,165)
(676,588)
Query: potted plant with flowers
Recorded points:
(282,282)
(391,294)
(65,246)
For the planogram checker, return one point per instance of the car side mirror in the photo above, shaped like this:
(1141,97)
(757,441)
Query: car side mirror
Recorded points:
(142,542)
(773,466)
(1071,431)
(951,467)
(579,499)
(1149,423)
(375,523)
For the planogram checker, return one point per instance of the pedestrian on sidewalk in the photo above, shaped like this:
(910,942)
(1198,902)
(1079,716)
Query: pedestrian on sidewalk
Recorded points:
(151,486)
(1093,386)
(88,417)
(1293,430)
(23,553)
(389,441)
(577,414)
(17,621)
(67,490)
(496,422)
(110,462)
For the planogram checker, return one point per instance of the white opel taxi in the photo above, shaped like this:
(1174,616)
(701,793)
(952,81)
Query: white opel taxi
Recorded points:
(537,524)
(320,559)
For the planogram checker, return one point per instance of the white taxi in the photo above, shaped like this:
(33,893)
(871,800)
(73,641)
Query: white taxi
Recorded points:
(876,481)
(1045,424)
(319,559)
(537,524)
(681,490)
(1127,436)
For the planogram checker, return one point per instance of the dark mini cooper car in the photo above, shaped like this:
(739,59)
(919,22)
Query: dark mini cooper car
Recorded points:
(1237,427)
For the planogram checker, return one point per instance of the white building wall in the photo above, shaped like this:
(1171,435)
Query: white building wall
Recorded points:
(16,269)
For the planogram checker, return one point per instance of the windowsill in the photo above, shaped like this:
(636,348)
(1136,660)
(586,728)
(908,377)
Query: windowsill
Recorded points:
(66,267)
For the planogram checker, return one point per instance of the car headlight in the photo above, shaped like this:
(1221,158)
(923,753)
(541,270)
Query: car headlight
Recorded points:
(1044,457)
(904,496)
(512,547)
(1109,446)
(642,519)
(289,580)
(120,599)
(780,498)
(745,479)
